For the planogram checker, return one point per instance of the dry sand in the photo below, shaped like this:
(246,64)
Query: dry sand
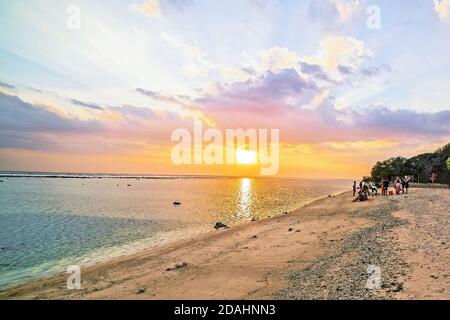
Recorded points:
(320,251)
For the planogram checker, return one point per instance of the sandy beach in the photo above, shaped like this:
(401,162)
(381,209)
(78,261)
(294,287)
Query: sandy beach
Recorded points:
(320,251)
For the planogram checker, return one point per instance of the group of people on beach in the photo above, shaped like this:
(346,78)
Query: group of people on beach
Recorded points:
(401,185)
(365,190)
(368,189)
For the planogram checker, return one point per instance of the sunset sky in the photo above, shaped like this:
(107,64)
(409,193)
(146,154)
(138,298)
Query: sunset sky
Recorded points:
(107,96)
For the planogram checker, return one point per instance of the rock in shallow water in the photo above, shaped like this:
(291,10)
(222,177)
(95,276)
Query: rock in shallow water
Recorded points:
(220,225)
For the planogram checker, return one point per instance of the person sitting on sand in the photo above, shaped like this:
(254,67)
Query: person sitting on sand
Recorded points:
(354,188)
(362,196)
(366,188)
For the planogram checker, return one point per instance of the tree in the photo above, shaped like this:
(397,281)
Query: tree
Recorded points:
(382,170)
(422,165)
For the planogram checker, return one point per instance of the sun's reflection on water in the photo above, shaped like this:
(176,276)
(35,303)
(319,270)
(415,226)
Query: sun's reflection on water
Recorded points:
(245,199)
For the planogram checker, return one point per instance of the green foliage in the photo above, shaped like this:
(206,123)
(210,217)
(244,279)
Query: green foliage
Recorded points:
(421,166)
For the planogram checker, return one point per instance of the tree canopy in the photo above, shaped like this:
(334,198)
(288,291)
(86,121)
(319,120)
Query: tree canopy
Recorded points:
(421,166)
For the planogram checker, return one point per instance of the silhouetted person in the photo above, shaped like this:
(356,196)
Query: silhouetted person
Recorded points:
(406,185)
(385,186)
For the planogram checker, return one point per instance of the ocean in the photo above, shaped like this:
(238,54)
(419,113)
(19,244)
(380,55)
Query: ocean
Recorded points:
(49,222)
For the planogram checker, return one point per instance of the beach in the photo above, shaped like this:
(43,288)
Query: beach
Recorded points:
(320,251)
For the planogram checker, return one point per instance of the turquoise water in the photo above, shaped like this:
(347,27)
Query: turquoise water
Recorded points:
(48,224)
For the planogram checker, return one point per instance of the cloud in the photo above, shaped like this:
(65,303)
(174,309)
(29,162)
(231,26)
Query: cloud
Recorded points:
(370,71)
(27,126)
(336,60)
(89,105)
(442,8)
(345,8)
(19,115)
(404,121)
(308,113)
(333,11)
(150,8)
(345,70)
(278,99)
(7,85)
(315,71)
(21,123)
(187,108)
(265,92)
(180,100)
(277,58)
(157,96)
(333,53)
(338,51)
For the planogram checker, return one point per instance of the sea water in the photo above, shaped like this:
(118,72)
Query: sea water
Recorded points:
(48,222)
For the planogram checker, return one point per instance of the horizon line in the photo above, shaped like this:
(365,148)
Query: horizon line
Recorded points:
(72,174)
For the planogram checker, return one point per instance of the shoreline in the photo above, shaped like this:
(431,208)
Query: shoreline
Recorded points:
(150,246)
(259,260)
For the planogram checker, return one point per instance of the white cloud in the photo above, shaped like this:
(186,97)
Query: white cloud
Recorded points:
(336,11)
(277,58)
(332,53)
(346,8)
(442,8)
(150,8)
(338,51)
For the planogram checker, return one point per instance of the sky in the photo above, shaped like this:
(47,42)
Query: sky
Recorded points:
(99,86)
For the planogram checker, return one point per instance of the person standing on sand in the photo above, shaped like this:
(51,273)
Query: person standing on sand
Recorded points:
(432,178)
(406,184)
(362,195)
(398,186)
(403,185)
(373,189)
(385,186)
(354,188)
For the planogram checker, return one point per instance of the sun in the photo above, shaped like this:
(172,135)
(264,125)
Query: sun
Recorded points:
(246,157)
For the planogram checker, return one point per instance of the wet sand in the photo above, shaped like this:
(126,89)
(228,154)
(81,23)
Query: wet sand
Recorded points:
(320,251)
